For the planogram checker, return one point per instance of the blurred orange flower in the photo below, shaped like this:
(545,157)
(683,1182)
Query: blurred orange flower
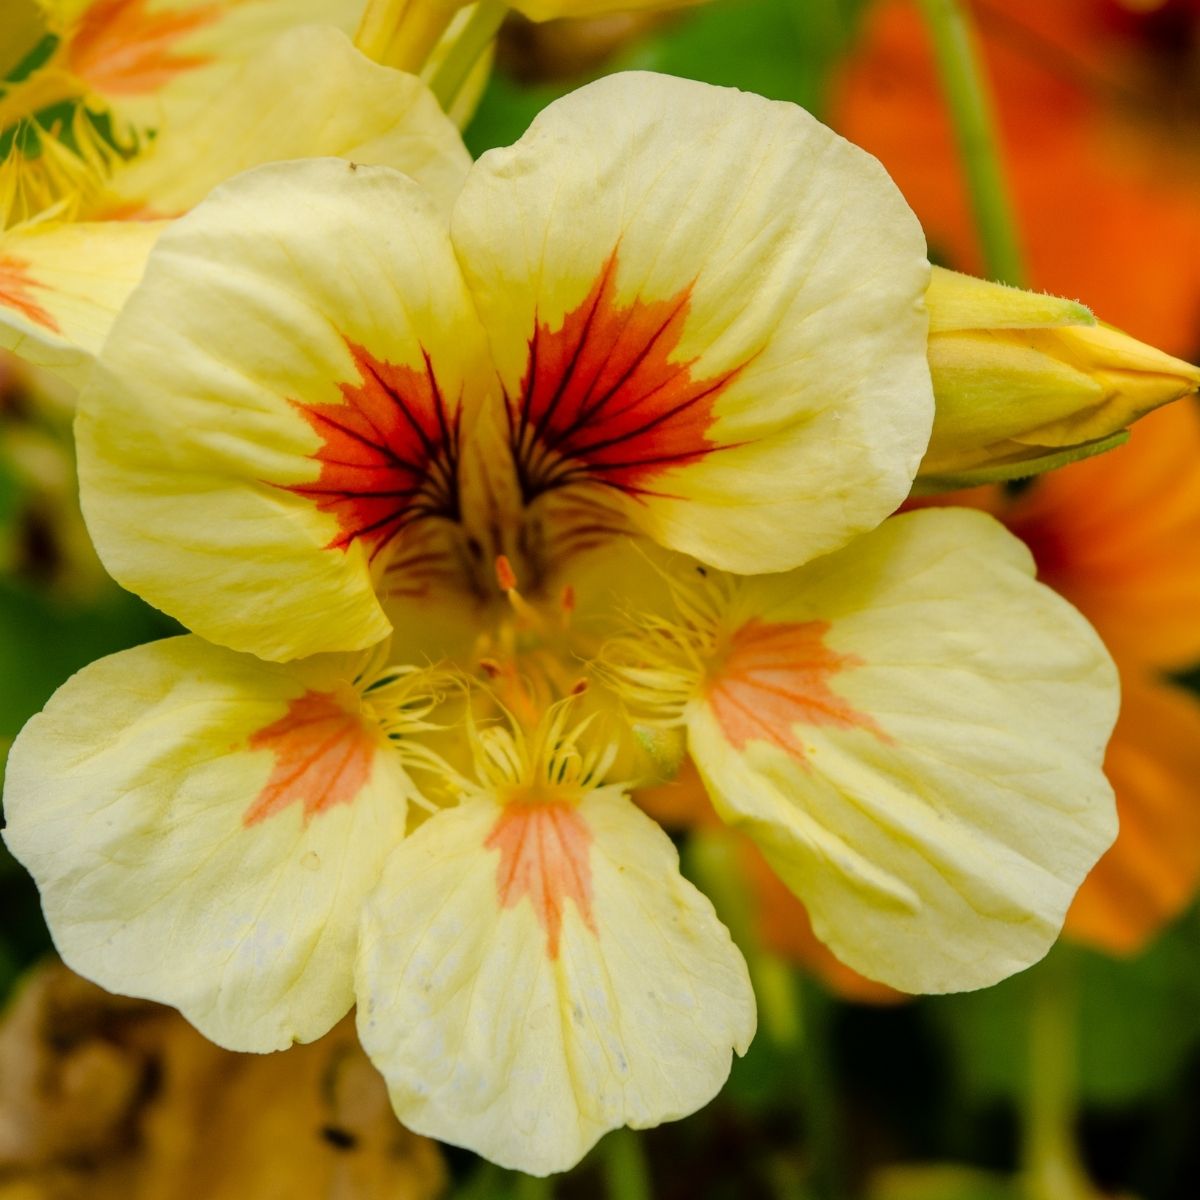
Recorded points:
(1098,104)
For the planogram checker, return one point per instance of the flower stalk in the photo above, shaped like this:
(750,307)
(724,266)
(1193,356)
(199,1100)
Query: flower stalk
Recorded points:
(962,77)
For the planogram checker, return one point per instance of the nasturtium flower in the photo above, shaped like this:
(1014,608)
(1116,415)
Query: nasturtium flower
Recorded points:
(193,93)
(491,515)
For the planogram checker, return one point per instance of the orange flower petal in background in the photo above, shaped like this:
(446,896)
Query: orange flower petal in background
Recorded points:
(1119,536)
(1109,170)
(1153,868)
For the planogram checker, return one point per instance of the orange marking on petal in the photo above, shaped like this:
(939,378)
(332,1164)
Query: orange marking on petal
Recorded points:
(775,677)
(323,755)
(545,856)
(15,285)
(121,48)
(131,210)
(602,401)
(389,453)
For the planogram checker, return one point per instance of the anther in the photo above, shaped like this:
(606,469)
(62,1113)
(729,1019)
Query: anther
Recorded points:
(506,577)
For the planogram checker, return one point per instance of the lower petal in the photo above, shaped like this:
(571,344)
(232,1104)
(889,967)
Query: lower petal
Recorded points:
(912,731)
(529,980)
(203,827)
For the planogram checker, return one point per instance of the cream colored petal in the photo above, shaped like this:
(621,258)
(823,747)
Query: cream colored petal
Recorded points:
(243,445)
(308,94)
(709,309)
(203,827)
(912,730)
(526,1040)
(62,285)
(147,60)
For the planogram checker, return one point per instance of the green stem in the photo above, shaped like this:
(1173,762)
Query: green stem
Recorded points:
(1052,1168)
(532,1187)
(821,1117)
(626,1170)
(713,861)
(471,44)
(966,94)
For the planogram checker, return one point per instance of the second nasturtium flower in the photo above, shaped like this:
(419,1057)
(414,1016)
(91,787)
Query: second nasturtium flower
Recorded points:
(493,517)
(141,107)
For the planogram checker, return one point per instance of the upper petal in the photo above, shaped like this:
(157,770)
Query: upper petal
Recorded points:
(309,93)
(535,975)
(707,307)
(277,401)
(912,730)
(203,828)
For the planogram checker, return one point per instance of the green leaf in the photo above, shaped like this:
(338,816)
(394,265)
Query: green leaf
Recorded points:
(1137,1021)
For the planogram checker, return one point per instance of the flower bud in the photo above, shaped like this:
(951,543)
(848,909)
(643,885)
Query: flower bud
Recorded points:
(1026,382)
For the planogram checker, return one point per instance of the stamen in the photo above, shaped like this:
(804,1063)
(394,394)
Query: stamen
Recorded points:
(506,577)
(54,172)
(659,666)
(551,756)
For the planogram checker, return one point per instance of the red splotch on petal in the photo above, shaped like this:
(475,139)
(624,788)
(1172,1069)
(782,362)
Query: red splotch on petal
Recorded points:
(323,756)
(15,292)
(603,401)
(122,48)
(776,676)
(389,454)
(545,857)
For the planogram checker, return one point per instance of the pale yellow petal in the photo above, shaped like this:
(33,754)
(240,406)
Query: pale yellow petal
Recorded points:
(707,308)
(62,285)
(912,730)
(240,446)
(308,94)
(203,828)
(146,60)
(523,1022)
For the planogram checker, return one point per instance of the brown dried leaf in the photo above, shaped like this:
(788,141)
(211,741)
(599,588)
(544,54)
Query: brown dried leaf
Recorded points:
(104,1098)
